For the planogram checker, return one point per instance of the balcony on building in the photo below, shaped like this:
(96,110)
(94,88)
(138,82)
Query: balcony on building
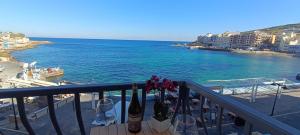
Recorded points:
(70,109)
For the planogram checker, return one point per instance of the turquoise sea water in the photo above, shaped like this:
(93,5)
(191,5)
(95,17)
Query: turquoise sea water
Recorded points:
(107,61)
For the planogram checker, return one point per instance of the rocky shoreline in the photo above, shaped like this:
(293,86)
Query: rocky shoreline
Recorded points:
(11,65)
(5,54)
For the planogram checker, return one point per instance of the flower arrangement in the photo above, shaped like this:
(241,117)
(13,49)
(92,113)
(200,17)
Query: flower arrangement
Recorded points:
(155,84)
(161,109)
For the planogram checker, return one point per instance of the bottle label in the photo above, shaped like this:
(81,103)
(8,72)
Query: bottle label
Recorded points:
(134,122)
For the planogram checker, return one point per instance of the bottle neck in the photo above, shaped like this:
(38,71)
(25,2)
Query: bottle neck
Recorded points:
(134,96)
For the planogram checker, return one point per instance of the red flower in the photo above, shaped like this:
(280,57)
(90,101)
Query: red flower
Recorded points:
(165,83)
(154,84)
(154,78)
(171,86)
(148,86)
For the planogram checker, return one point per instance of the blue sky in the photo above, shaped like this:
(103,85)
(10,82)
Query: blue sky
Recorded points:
(143,19)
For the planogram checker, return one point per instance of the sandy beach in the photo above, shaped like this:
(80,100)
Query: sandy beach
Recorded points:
(265,53)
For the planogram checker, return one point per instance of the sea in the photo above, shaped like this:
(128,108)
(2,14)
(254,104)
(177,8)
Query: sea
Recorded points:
(115,61)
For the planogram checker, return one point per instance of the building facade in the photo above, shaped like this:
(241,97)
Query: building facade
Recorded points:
(250,39)
(288,42)
(216,40)
(10,40)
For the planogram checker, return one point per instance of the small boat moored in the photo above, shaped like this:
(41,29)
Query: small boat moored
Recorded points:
(51,72)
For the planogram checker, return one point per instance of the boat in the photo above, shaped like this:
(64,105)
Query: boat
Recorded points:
(51,72)
(65,82)
(298,77)
(32,71)
(194,47)
(180,44)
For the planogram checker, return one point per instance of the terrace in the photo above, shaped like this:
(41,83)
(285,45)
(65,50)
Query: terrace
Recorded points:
(254,121)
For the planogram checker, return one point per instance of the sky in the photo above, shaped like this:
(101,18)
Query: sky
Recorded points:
(179,20)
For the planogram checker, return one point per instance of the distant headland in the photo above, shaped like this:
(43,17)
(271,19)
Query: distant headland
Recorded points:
(10,41)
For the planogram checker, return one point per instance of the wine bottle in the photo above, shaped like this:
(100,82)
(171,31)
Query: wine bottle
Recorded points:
(134,112)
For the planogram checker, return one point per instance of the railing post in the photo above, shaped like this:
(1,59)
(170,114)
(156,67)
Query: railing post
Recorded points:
(252,94)
(15,117)
(255,93)
(123,105)
(182,102)
(275,100)
(78,113)
(73,105)
(93,101)
(182,94)
(248,128)
(202,100)
(162,95)
(101,95)
(176,110)
(22,113)
(219,120)
(143,102)
(52,114)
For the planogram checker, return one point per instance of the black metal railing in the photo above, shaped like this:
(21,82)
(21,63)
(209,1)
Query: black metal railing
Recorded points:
(251,116)
(20,93)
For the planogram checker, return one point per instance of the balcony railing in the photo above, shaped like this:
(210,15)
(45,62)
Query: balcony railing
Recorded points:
(252,117)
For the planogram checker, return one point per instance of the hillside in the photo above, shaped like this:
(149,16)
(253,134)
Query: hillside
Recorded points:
(279,29)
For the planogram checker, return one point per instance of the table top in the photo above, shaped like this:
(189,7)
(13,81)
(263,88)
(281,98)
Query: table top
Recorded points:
(121,129)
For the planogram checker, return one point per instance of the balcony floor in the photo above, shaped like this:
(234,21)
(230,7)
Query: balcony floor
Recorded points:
(287,108)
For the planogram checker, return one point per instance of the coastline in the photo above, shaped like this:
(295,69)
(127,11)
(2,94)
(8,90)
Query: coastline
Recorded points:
(263,53)
(5,55)
(13,66)
(240,51)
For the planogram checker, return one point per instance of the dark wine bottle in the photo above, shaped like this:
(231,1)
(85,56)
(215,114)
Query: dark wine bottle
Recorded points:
(134,112)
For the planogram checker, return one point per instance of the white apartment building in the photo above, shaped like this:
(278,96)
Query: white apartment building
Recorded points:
(288,42)
(217,40)
(223,40)
(205,39)
(22,40)
(249,39)
(8,41)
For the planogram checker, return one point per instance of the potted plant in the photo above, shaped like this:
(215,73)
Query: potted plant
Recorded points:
(160,121)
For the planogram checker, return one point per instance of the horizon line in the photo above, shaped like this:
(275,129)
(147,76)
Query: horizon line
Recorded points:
(110,39)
